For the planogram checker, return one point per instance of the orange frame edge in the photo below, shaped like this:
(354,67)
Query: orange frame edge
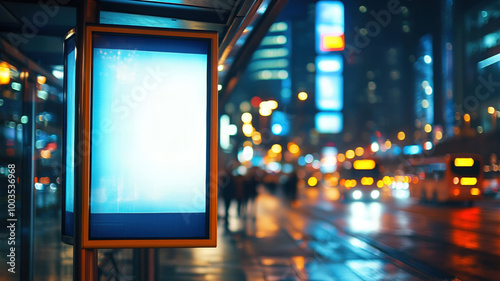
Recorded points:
(86,99)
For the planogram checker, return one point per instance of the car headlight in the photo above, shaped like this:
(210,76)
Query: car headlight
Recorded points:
(357,194)
(375,194)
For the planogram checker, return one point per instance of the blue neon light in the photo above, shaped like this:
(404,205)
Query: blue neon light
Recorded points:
(329,92)
(329,122)
(280,125)
(412,149)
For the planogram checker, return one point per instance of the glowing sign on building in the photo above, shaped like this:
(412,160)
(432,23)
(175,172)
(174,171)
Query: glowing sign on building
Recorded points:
(329,26)
(328,122)
(329,66)
(329,82)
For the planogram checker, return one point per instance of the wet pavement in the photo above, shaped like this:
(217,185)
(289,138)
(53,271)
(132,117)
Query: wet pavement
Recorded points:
(317,238)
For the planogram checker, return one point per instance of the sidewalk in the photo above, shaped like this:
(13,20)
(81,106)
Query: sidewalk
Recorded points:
(250,249)
(281,243)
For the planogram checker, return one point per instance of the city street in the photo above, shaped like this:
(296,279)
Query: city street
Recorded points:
(438,241)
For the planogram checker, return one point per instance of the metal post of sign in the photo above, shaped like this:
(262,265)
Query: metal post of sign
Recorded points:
(27,181)
(84,260)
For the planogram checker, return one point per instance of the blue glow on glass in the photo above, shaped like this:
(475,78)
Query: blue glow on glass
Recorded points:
(329,92)
(118,18)
(149,122)
(70,131)
(329,122)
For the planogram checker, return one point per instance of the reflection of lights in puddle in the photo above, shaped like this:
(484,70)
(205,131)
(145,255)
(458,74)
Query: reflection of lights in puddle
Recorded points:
(401,193)
(267,262)
(332,194)
(358,243)
(465,239)
(365,217)
(312,193)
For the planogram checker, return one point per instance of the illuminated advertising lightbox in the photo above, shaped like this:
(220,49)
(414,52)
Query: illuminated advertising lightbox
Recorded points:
(328,122)
(329,26)
(69,139)
(153,123)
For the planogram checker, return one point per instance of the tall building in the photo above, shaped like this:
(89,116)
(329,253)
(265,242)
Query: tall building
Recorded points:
(478,81)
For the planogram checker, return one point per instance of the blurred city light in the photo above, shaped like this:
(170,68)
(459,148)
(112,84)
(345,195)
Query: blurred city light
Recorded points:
(464,162)
(45,154)
(475,191)
(491,110)
(41,79)
(302,96)
(341,157)
(468,181)
(349,154)
(247,130)
(276,148)
(312,181)
(365,164)
(4,73)
(245,106)
(255,101)
(375,194)
(428,145)
(329,63)
(220,67)
(412,149)
(226,131)
(427,128)
(357,194)
(280,124)
(309,158)
(367,181)
(329,26)
(264,111)
(328,122)
(246,154)
(256,138)
(466,117)
(374,147)
(439,135)
(246,117)
(387,144)
(277,129)
(329,160)
(274,167)
(293,148)
(16,86)
(272,104)
(359,151)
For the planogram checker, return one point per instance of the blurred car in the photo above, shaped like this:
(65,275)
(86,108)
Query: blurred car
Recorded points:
(491,180)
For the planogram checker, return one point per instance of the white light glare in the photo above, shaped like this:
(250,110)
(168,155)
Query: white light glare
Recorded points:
(357,194)
(375,194)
